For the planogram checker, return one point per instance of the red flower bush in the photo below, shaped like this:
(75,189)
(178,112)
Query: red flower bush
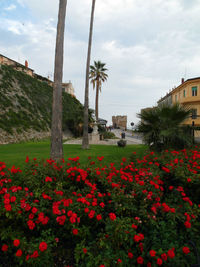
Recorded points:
(142,212)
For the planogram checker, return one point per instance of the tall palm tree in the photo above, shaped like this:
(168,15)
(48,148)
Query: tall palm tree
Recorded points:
(56,126)
(163,126)
(97,76)
(85,141)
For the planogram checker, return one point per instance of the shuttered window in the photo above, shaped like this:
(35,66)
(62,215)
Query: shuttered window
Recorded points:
(194,91)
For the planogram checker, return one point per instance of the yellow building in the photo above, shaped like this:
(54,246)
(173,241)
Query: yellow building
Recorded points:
(188,95)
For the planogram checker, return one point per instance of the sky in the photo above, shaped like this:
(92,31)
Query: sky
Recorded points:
(148,46)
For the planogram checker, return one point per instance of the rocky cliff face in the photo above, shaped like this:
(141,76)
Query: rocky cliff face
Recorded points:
(25,107)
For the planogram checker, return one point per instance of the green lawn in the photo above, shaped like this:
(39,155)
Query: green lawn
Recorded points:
(15,154)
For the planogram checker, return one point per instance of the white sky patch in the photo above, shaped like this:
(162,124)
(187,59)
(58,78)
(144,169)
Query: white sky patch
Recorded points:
(11,7)
(148,46)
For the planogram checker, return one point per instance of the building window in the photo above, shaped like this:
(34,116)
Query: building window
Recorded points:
(194,91)
(183,93)
(194,113)
(176,98)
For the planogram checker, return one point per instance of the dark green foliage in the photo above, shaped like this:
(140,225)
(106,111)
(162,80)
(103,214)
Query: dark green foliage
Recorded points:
(26,103)
(121,143)
(163,127)
(108,135)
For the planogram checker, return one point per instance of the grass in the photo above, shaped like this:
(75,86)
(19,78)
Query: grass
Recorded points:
(15,154)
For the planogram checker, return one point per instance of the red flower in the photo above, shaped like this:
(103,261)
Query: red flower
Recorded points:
(4,248)
(187,224)
(102,204)
(48,179)
(31,225)
(164,256)
(159,261)
(152,253)
(16,242)
(86,210)
(140,260)
(112,216)
(43,246)
(75,231)
(99,217)
(19,253)
(134,226)
(119,261)
(186,250)
(8,207)
(170,253)
(130,255)
(35,254)
(91,214)
(85,250)
(165,169)
(61,219)
(12,199)
(72,219)
(34,210)
(136,238)
(27,159)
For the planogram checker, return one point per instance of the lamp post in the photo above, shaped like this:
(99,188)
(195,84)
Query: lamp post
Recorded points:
(132,124)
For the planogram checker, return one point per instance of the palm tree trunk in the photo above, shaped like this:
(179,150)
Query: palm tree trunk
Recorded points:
(85,142)
(97,102)
(56,125)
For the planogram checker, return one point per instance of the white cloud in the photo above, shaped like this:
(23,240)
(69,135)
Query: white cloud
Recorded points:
(9,8)
(147,47)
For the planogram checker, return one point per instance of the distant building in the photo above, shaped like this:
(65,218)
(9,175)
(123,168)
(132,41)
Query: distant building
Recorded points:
(17,66)
(119,122)
(68,88)
(167,99)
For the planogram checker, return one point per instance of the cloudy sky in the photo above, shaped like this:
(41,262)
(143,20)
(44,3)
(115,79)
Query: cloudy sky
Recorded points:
(148,46)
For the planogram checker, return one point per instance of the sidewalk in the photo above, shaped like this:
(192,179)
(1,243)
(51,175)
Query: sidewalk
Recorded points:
(129,141)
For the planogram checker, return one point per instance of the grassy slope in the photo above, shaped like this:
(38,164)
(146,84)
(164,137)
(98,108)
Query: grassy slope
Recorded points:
(15,154)
(25,103)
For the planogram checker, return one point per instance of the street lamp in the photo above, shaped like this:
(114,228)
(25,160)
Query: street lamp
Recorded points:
(132,124)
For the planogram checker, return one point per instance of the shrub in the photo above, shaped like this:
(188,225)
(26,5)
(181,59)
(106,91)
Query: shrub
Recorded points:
(121,143)
(108,135)
(141,212)
(163,127)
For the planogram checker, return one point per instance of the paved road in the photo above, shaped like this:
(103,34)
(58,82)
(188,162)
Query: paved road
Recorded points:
(128,137)
(135,139)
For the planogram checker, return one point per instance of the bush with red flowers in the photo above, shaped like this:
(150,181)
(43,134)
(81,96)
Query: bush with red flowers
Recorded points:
(144,212)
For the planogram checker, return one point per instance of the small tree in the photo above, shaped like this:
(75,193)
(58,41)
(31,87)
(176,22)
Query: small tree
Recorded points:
(97,77)
(163,127)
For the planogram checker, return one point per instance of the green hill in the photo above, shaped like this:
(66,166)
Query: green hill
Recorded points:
(25,107)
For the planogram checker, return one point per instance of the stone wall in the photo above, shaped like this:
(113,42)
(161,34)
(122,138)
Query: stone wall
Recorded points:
(119,121)
(6,138)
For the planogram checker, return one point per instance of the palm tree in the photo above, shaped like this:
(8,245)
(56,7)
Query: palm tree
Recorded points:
(163,126)
(85,141)
(56,126)
(97,76)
